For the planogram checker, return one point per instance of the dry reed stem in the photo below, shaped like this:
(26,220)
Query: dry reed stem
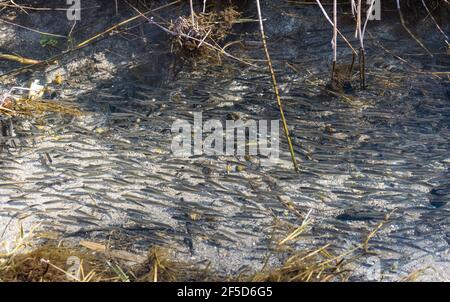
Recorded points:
(335,26)
(375,231)
(275,87)
(192,13)
(332,24)
(298,231)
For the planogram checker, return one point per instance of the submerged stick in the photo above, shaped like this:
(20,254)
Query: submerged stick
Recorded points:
(362,67)
(362,53)
(353,63)
(275,87)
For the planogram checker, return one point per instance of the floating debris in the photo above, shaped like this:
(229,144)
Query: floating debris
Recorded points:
(32,105)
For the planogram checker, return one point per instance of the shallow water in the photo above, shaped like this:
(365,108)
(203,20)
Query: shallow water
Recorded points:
(111,174)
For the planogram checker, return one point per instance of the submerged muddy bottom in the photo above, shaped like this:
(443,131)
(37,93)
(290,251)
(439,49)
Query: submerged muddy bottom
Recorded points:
(110,174)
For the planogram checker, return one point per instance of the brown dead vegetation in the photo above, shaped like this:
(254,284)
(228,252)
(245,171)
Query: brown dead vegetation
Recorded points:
(195,40)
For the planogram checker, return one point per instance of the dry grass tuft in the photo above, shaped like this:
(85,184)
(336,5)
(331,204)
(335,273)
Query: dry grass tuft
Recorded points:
(315,266)
(36,108)
(160,266)
(50,263)
(23,260)
(195,40)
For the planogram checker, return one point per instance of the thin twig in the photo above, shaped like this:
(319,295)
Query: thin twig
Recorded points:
(125,22)
(436,23)
(31,29)
(86,42)
(402,20)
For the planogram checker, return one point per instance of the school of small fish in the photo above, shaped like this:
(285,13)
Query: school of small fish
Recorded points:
(361,156)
